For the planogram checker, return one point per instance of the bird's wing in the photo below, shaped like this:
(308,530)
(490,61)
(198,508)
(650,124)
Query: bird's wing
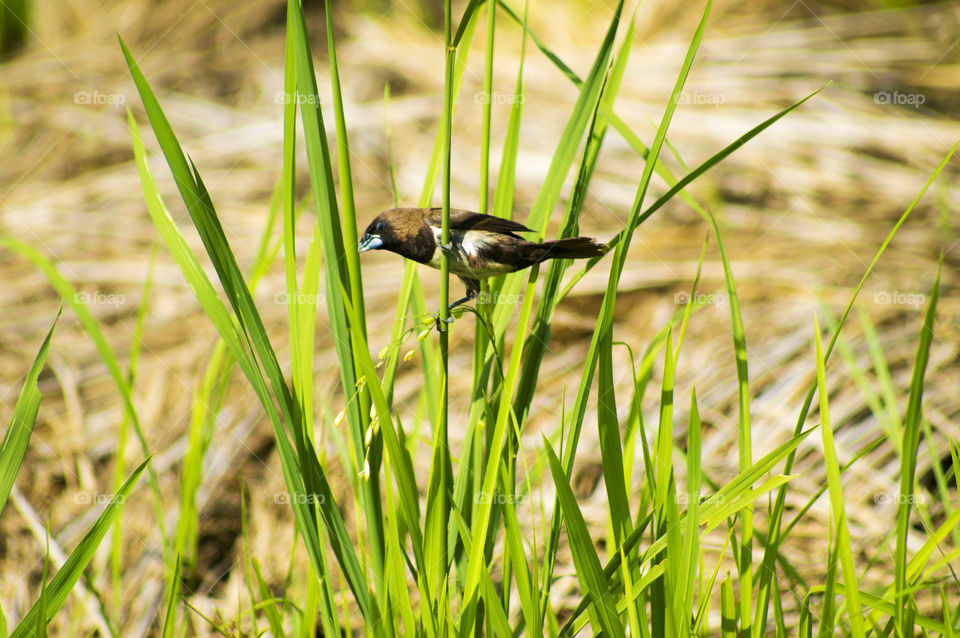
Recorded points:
(467,220)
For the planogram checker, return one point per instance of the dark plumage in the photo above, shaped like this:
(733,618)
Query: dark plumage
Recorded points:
(480,245)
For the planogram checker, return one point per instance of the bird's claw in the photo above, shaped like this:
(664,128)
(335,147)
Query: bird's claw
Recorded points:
(440,321)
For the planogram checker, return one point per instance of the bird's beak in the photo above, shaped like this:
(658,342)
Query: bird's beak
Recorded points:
(370,242)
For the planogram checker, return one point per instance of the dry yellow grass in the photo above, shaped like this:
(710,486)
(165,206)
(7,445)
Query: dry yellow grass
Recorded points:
(803,209)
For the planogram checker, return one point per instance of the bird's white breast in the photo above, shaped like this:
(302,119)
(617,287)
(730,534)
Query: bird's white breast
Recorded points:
(468,259)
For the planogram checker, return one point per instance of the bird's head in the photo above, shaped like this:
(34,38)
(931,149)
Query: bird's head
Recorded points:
(404,231)
(373,236)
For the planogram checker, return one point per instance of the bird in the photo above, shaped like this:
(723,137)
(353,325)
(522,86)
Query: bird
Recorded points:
(480,245)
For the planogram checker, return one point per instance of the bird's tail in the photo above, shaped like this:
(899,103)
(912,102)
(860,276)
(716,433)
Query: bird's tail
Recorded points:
(570,248)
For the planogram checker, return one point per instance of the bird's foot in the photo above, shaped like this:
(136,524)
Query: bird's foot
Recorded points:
(440,322)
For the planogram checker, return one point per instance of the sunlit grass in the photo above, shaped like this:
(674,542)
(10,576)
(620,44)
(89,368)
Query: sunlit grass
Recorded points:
(446,550)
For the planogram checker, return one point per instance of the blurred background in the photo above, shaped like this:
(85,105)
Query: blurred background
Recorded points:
(803,209)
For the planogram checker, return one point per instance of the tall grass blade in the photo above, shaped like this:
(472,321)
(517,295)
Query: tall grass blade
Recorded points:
(17,438)
(903,599)
(55,593)
(843,547)
(170,607)
(664,506)
(744,435)
(592,579)
(687,568)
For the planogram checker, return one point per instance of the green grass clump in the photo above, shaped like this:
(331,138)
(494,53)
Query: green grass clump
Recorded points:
(450,552)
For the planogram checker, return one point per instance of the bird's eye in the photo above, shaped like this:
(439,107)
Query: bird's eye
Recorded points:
(378,227)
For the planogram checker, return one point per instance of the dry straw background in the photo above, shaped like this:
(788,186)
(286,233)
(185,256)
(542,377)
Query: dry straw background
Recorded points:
(803,209)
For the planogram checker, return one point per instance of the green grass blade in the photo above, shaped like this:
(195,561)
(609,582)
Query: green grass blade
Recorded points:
(496,618)
(744,435)
(893,420)
(592,579)
(170,615)
(843,547)
(17,438)
(526,584)
(911,438)
(394,557)
(440,481)
(576,125)
(487,108)
(687,567)
(481,529)
(611,453)
(200,207)
(56,592)
(206,403)
(664,504)
(503,198)
(350,236)
(688,307)
(728,617)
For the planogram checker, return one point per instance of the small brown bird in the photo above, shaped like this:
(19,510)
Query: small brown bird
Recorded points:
(480,246)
